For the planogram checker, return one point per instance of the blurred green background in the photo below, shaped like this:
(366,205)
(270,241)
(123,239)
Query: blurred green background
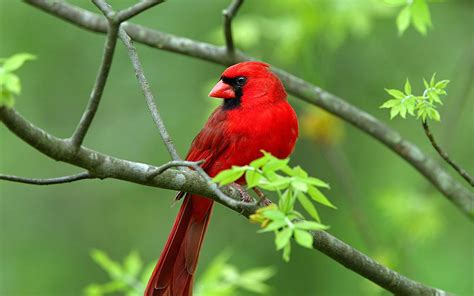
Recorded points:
(351,48)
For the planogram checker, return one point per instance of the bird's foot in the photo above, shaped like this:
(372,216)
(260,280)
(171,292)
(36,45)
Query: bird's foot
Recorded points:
(244,196)
(264,201)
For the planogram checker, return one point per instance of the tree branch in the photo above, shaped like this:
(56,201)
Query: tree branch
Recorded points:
(136,9)
(83,126)
(149,95)
(445,156)
(105,166)
(229,14)
(446,184)
(51,181)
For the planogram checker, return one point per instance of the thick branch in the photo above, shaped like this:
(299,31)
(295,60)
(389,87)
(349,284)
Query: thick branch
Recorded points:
(369,268)
(105,166)
(458,194)
(229,14)
(445,156)
(51,181)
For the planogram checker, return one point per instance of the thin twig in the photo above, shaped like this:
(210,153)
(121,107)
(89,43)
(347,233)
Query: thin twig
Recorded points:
(458,194)
(173,164)
(105,8)
(83,126)
(229,14)
(132,11)
(149,95)
(445,156)
(50,181)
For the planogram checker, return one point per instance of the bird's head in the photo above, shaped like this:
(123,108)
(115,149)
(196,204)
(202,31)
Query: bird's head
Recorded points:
(248,84)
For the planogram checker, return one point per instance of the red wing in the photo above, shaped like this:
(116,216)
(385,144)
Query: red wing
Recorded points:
(211,141)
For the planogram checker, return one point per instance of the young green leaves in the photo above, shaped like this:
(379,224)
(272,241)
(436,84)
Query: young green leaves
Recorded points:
(404,102)
(128,278)
(292,185)
(221,278)
(415,12)
(10,84)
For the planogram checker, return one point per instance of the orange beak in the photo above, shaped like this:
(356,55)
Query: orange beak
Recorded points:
(222,90)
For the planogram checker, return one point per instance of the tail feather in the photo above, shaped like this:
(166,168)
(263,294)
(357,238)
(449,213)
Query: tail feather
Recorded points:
(173,275)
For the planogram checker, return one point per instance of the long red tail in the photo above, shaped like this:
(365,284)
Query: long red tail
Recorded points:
(173,275)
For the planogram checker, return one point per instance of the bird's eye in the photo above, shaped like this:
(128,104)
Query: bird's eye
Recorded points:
(240,80)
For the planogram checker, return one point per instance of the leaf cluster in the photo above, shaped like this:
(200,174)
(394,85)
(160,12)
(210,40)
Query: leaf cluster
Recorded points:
(127,278)
(404,102)
(292,185)
(224,279)
(415,12)
(10,84)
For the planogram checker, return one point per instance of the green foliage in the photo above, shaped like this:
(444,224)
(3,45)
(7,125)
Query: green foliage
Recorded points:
(411,215)
(224,279)
(415,12)
(424,106)
(297,30)
(220,279)
(128,277)
(10,85)
(291,185)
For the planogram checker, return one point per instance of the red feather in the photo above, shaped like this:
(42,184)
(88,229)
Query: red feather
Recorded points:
(261,120)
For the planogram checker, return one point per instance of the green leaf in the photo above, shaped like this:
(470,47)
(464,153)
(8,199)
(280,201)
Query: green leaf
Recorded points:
(308,206)
(286,252)
(275,225)
(390,103)
(317,182)
(6,99)
(258,163)
(12,83)
(111,267)
(299,185)
(394,111)
(403,111)
(287,201)
(260,274)
(16,61)
(299,172)
(252,178)
(432,80)
(441,84)
(433,114)
(433,96)
(310,225)
(407,87)
(132,264)
(228,176)
(318,196)
(426,83)
(403,20)
(274,164)
(421,16)
(273,215)
(303,238)
(395,93)
(282,238)
(278,183)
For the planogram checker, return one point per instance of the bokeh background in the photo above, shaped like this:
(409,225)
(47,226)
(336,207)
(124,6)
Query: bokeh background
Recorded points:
(351,48)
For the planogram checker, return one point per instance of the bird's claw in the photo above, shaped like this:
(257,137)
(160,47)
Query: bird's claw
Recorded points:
(244,196)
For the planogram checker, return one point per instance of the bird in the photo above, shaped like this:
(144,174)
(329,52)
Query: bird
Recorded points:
(254,115)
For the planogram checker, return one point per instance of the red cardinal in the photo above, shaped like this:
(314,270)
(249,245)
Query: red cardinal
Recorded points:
(255,115)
